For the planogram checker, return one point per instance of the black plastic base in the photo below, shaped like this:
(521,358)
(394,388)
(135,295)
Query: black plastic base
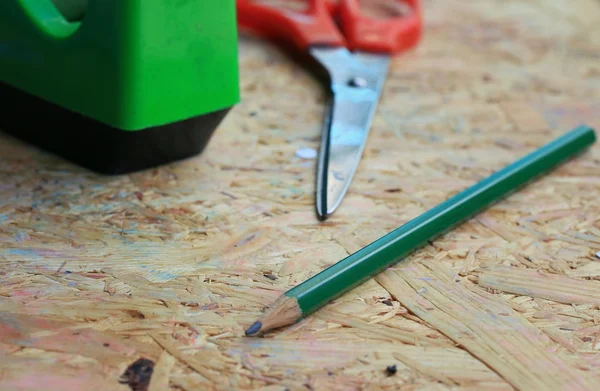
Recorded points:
(97,146)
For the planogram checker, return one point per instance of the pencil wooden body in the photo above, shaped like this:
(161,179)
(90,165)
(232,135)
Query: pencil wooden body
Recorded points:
(388,250)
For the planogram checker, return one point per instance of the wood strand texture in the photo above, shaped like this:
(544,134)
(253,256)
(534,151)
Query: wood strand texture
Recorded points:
(173,263)
(483,325)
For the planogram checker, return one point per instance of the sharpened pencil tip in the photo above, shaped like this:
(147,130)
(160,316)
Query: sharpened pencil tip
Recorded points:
(255,328)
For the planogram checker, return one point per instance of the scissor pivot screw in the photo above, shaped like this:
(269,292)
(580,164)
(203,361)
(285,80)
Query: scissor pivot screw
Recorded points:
(357,82)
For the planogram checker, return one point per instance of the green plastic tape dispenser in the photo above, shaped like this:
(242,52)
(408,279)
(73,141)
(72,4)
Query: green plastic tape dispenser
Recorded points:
(117,85)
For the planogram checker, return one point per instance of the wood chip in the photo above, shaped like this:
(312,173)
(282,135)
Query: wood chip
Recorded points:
(162,372)
(484,325)
(192,361)
(527,282)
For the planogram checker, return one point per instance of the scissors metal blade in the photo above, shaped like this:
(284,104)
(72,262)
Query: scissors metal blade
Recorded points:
(356,85)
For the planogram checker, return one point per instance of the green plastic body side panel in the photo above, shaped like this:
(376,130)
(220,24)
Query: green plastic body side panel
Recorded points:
(130,64)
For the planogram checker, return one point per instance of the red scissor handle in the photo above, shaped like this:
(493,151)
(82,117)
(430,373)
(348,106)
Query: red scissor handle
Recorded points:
(391,35)
(314,26)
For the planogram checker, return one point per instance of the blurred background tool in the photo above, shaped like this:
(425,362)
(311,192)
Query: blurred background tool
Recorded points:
(117,86)
(356,57)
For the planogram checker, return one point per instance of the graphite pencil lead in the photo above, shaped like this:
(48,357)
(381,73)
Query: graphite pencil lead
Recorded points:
(255,328)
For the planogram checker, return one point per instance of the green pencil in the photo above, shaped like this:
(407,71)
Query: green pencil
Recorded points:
(355,269)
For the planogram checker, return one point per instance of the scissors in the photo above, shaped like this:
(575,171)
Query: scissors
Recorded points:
(356,57)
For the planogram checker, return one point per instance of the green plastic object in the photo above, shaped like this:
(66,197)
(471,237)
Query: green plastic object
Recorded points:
(130,65)
(72,10)
(379,255)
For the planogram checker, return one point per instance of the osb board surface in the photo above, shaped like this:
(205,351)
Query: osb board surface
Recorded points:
(170,264)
